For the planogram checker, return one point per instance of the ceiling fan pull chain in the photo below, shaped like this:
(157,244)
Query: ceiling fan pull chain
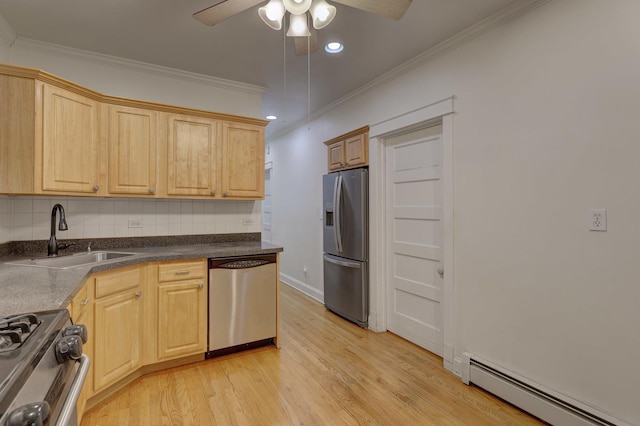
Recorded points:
(308,81)
(284,73)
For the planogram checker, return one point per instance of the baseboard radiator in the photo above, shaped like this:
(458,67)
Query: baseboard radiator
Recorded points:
(544,403)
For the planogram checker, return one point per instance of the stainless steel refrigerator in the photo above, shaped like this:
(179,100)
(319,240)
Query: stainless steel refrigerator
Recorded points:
(346,244)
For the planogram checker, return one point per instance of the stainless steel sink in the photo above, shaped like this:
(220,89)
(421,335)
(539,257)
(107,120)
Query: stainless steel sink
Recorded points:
(72,260)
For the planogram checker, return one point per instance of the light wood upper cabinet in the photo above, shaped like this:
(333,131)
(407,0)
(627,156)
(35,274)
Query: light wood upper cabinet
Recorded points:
(181,309)
(69,146)
(191,155)
(17,134)
(131,139)
(349,150)
(60,138)
(242,161)
(336,156)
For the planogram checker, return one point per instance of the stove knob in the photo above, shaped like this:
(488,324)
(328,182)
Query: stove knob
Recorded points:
(76,330)
(68,348)
(33,414)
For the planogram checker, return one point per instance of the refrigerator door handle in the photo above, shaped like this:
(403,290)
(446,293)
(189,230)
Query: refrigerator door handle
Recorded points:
(337,207)
(341,263)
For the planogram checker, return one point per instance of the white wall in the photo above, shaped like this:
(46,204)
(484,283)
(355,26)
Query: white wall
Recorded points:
(118,77)
(29,218)
(545,129)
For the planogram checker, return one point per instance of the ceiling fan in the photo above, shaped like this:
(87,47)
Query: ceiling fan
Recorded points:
(224,9)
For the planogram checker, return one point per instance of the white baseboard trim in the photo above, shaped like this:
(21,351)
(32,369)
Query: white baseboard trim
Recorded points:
(532,397)
(302,287)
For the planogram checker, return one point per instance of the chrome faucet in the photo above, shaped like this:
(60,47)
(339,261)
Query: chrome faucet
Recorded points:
(54,246)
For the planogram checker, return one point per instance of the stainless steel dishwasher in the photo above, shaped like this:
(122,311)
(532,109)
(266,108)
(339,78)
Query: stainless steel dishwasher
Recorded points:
(242,303)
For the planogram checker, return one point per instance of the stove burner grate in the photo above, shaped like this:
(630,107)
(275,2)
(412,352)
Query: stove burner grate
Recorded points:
(15,330)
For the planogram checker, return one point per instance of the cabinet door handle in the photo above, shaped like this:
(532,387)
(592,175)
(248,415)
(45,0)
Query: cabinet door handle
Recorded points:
(225,193)
(200,285)
(152,190)
(84,302)
(213,193)
(96,188)
(138,294)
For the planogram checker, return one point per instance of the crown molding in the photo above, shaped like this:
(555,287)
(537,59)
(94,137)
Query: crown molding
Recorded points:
(131,65)
(509,13)
(6,32)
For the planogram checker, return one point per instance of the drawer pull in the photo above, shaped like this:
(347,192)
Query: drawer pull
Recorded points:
(84,302)
(182,272)
(138,293)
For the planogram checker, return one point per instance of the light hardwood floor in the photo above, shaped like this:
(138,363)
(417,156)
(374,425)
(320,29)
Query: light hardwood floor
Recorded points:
(327,372)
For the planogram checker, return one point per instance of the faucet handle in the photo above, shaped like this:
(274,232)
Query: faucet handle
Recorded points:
(89,246)
(62,246)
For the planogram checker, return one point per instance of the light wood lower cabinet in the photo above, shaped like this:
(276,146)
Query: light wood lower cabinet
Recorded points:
(118,324)
(81,310)
(181,309)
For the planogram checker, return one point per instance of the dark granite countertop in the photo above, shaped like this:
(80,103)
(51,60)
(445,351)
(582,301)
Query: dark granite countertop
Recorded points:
(31,289)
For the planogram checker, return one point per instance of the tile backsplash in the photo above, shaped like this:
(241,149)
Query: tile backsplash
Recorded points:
(29,218)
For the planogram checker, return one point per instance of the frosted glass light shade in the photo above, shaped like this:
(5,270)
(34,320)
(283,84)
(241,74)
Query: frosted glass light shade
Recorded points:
(297,7)
(322,13)
(298,26)
(272,14)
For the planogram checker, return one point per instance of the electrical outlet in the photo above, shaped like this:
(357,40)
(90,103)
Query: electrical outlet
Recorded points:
(135,223)
(598,220)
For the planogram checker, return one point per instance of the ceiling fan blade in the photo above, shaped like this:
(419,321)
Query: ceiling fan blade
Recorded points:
(301,43)
(224,9)
(393,9)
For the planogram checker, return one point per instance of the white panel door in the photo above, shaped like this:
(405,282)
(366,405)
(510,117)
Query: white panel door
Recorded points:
(266,206)
(414,229)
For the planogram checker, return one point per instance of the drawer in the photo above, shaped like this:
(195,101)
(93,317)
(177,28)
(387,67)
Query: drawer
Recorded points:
(179,271)
(117,281)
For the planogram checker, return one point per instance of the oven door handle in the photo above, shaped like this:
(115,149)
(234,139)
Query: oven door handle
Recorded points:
(69,407)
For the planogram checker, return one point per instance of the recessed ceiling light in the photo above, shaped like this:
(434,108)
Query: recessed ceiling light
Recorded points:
(271,117)
(334,47)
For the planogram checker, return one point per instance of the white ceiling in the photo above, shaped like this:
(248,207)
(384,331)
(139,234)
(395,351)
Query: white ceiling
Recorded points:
(243,48)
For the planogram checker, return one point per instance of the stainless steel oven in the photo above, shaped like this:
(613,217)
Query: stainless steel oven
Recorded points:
(42,369)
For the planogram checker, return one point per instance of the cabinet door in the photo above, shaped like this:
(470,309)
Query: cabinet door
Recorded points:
(336,156)
(242,161)
(69,142)
(356,151)
(132,150)
(182,319)
(191,156)
(118,330)
(82,313)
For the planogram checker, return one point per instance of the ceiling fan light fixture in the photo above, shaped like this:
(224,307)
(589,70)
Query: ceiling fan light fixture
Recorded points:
(322,13)
(298,26)
(272,14)
(297,7)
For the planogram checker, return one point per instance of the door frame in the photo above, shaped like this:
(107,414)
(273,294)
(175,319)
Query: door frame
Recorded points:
(441,112)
